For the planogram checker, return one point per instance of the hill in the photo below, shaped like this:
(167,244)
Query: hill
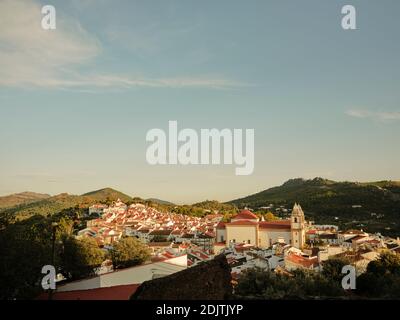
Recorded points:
(159,201)
(108,194)
(47,206)
(374,206)
(58,203)
(21,198)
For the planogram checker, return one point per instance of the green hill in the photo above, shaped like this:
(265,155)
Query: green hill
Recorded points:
(373,206)
(58,203)
(21,198)
(47,206)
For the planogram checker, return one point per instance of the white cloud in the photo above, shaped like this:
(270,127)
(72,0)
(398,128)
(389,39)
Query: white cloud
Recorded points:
(380,115)
(30,55)
(33,57)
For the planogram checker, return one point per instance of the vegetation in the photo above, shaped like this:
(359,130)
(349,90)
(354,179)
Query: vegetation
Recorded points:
(258,284)
(129,252)
(108,194)
(373,206)
(21,198)
(332,268)
(381,280)
(204,208)
(25,249)
(79,258)
(26,246)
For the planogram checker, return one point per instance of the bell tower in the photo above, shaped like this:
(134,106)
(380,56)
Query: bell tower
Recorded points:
(298,227)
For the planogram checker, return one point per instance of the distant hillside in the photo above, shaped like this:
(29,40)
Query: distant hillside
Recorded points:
(374,206)
(21,198)
(214,205)
(58,203)
(47,206)
(159,201)
(108,194)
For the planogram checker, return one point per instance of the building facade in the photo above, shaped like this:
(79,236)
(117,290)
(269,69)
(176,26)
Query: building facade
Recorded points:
(246,228)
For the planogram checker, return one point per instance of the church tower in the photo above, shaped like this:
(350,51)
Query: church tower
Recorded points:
(298,227)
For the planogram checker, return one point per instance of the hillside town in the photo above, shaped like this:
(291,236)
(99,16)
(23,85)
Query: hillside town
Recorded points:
(178,242)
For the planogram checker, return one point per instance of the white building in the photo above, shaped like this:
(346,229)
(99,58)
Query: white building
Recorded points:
(97,209)
(133,275)
(246,228)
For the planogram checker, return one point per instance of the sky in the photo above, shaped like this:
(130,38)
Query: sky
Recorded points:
(76,102)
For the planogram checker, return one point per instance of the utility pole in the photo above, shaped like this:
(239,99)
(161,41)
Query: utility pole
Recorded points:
(54,226)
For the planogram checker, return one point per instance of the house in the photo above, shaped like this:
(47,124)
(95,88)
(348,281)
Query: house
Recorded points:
(329,238)
(347,235)
(295,261)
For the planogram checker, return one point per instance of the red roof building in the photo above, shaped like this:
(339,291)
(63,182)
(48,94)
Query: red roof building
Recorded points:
(109,293)
(245,215)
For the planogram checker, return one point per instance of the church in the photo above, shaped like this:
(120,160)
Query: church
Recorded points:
(246,228)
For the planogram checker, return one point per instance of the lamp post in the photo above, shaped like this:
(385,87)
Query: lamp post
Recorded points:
(54,226)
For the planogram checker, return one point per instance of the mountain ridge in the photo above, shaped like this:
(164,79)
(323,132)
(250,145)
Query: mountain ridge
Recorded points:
(373,205)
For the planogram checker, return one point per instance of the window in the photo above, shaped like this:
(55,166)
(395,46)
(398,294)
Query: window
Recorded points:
(248,241)
(222,239)
(295,220)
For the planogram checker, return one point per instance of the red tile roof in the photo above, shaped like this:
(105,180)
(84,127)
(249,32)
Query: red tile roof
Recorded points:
(245,214)
(110,293)
(242,223)
(302,261)
(279,224)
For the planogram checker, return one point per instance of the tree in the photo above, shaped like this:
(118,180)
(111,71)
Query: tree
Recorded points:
(25,248)
(257,283)
(269,216)
(129,252)
(65,228)
(387,263)
(81,257)
(382,278)
(332,268)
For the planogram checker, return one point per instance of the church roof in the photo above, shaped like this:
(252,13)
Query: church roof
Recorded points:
(245,215)
(242,223)
(279,224)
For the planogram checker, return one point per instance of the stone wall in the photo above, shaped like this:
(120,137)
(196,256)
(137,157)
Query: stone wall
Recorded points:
(209,280)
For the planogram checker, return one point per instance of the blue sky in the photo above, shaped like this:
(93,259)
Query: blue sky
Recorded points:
(76,103)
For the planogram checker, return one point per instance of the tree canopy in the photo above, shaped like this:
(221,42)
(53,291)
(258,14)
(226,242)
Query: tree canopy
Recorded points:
(129,252)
